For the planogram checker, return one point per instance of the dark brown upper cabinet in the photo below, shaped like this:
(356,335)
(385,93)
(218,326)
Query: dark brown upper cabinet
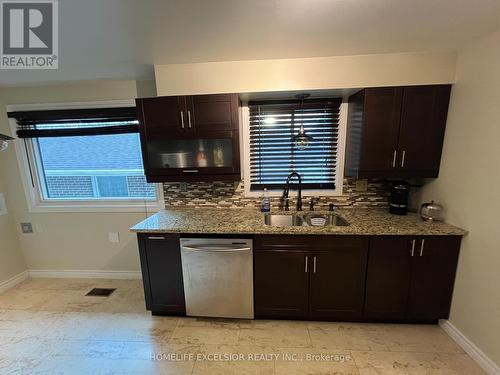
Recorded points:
(190,138)
(411,278)
(396,131)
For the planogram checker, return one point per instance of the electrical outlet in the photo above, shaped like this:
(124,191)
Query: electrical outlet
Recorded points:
(27,228)
(183,186)
(362,185)
(114,237)
(38,228)
(3,205)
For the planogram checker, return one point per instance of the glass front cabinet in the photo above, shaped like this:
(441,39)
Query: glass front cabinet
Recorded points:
(190,138)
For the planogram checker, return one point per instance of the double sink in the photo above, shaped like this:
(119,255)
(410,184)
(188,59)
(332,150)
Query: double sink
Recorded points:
(304,220)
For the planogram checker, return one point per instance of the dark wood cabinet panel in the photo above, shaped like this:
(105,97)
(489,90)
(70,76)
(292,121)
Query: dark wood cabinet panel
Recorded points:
(320,277)
(190,138)
(214,112)
(281,283)
(160,117)
(411,278)
(388,277)
(433,275)
(337,280)
(373,125)
(396,131)
(423,122)
(162,273)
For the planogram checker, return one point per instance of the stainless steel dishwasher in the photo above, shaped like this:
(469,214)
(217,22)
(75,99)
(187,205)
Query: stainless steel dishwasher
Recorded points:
(218,277)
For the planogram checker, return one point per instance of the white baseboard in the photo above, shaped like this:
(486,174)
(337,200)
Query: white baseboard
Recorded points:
(13,281)
(470,348)
(86,274)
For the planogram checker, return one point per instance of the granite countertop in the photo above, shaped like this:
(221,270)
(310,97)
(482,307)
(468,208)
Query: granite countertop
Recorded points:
(363,221)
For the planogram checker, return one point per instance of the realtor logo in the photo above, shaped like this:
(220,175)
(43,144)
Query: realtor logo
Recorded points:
(29,34)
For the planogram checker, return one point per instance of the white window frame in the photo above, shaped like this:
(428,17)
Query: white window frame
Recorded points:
(339,178)
(29,171)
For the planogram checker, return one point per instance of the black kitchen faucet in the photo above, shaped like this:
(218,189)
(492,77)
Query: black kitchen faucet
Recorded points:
(285,199)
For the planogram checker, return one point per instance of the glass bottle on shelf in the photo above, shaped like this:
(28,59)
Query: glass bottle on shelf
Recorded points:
(201,157)
(218,155)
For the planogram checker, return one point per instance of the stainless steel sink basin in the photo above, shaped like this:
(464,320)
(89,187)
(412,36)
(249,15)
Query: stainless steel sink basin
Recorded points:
(304,220)
(277,220)
(323,220)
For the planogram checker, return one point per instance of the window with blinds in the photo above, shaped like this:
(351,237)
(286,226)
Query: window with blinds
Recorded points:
(75,122)
(273,154)
(84,154)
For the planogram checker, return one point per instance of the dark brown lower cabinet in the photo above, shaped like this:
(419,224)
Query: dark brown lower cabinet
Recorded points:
(411,278)
(281,283)
(359,278)
(162,273)
(337,281)
(320,277)
(434,266)
(388,277)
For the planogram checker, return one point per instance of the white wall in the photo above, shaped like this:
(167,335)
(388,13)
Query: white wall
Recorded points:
(339,72)
(11,259)
(468,186)
(68,240)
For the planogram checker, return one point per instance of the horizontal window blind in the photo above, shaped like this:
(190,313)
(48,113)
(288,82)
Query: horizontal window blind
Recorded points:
(77,122)
(273,155)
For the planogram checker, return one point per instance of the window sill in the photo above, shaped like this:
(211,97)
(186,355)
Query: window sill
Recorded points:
(293,193)
(96,207)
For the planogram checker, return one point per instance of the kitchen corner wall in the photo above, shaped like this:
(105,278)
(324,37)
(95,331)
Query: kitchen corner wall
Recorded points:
(11,259)
(68,240)
(231,195)
(468,185)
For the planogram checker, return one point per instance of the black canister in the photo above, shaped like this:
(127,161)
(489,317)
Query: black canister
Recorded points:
(398,202)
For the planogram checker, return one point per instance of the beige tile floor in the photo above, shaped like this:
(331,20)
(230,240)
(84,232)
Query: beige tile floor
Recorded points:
(48,326)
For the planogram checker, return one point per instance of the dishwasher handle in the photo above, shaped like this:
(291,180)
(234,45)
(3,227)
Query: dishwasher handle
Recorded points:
(215,249)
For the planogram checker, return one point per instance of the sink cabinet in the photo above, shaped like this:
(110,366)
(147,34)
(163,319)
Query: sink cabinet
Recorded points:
(281,283)
(317,277)
(411,277)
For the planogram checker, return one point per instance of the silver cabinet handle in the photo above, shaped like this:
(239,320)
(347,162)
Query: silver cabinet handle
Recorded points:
(182,119)
(403,158)
(394,156)
(422,247)
(189,119)
(412,247)
(156,238)
(215,249)
(307,261)
(314,265)
(190,171)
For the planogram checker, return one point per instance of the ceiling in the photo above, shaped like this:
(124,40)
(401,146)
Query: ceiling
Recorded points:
(122,39)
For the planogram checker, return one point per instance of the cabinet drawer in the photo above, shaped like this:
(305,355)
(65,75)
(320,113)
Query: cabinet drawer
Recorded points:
(305,242)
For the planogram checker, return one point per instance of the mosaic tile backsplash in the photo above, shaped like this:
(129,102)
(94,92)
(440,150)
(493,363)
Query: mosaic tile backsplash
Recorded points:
(226,195)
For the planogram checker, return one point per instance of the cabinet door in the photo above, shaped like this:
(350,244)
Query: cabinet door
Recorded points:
(162,117)
(381,115)
(213,112)
(433,276)
(213,156)
(388,277)
(281,283)
(423,122)
(162,273)
(337,280)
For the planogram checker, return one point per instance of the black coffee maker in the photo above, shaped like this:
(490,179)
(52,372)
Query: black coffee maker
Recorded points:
(398,202)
